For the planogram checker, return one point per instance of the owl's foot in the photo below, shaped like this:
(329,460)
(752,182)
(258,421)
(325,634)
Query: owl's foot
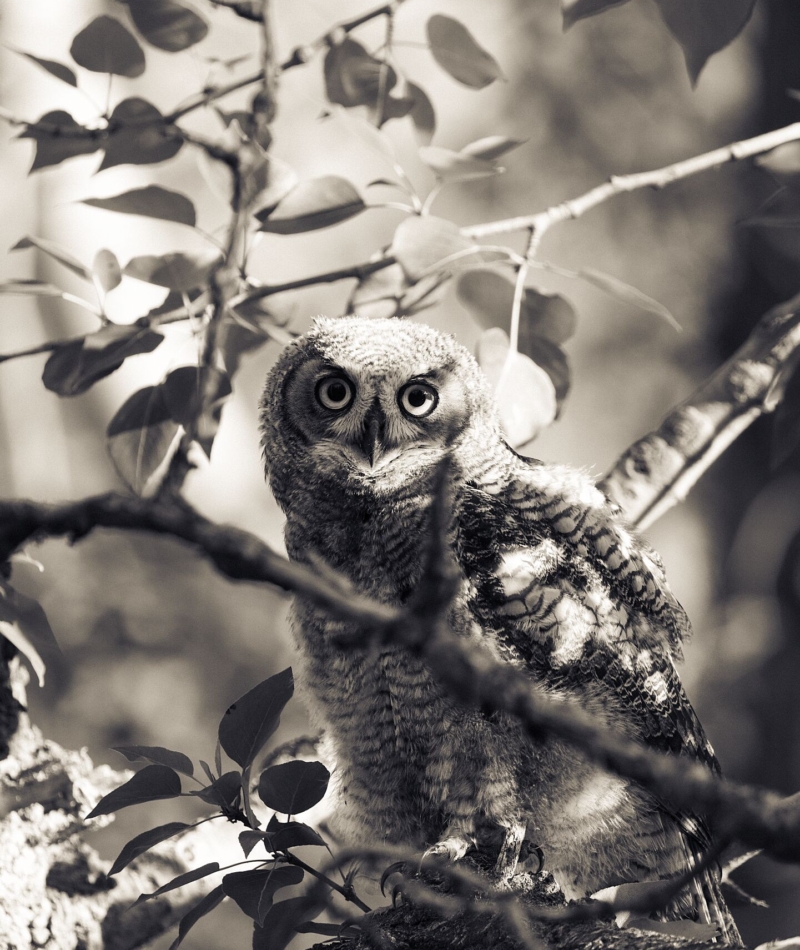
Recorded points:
(517,854)
(448,850)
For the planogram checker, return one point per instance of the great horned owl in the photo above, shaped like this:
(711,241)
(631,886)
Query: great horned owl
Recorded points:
(357,416)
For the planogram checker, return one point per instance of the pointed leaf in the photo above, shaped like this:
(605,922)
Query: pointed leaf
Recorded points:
(269,188)
(140,437)
(249,839)
(188,877)
(378,294)
(491,147)
(253,890)
(455,49)
(105,46)
(420,243)
(313,204)
(32,288)
(353,77)
(524,393)
(59,137)
(150,784)
(703,28)
(283,920)
(180,270)
(282,835)
(75,367)
(138,135)
(489,296)
(422,112)
(57,252)
(293,787)
(551,358)
(627,294)
(106,269)
(168,24)
(251,720)
(574,10)
(52,66)
(201,908)
(24,623)
(145,841)
(456,166)
(159,755)
(185,390)
(150,202)
(223,792)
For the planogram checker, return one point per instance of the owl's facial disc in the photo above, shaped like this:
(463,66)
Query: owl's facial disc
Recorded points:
(373,421)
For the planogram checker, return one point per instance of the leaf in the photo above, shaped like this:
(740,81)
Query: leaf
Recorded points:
(574,10)
(455,166)
(353,77)
(293,787)
(524,392)
(249,839)
(57,252)
(144,842)
(236,339)
(272,186)
(105,46)
(282,835)
(140,436)
(313,204)
(59,137)
(425,293)
(205,906)
(138,135)
(551,358)
(223,792)
(251,720)
(627,294)
(168,24)
(489,296)
(185,390)
(780,210)
(32,288)
(150,784)
(188,877)
(458,53)
(52,66)
(159,755)
(491,147)
(24,623)
(150,202)
(74,367)
(421,242)
(378,294)
(106,269)
(783,162)
(283,921)
(180,270)
(253,890)
(422,112)
(704,28)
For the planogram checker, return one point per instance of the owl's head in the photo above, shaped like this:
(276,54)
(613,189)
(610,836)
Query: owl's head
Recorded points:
(371,402)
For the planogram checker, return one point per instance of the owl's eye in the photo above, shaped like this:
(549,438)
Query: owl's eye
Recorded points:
(335,393)
(418,399)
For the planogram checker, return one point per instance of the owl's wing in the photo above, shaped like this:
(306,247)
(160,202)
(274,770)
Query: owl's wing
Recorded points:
(565,587)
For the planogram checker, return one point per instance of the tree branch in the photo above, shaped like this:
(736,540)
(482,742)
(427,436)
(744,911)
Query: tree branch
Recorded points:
(660,469)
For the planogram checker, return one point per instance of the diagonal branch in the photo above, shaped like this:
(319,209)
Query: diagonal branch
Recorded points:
(660,469)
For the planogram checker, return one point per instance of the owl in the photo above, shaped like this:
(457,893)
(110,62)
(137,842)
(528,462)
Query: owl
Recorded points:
(357,416)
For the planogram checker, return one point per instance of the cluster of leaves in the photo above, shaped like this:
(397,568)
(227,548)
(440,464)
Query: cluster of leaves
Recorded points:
(702,29)
(289,789)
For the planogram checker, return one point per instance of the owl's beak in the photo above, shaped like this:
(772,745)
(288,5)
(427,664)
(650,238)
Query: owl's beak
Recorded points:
(371,441)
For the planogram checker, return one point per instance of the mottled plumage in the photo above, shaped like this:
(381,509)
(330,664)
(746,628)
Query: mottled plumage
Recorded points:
(357,416)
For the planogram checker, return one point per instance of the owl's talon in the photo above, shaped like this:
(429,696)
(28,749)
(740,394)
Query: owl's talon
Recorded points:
(399,867)
(447,851)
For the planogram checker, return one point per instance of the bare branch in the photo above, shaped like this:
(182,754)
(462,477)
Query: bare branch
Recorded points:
(659,470)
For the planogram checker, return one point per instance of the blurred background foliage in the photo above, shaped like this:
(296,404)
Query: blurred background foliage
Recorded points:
(155,645)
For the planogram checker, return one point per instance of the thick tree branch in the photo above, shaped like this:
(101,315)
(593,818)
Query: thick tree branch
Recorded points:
(660,469)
